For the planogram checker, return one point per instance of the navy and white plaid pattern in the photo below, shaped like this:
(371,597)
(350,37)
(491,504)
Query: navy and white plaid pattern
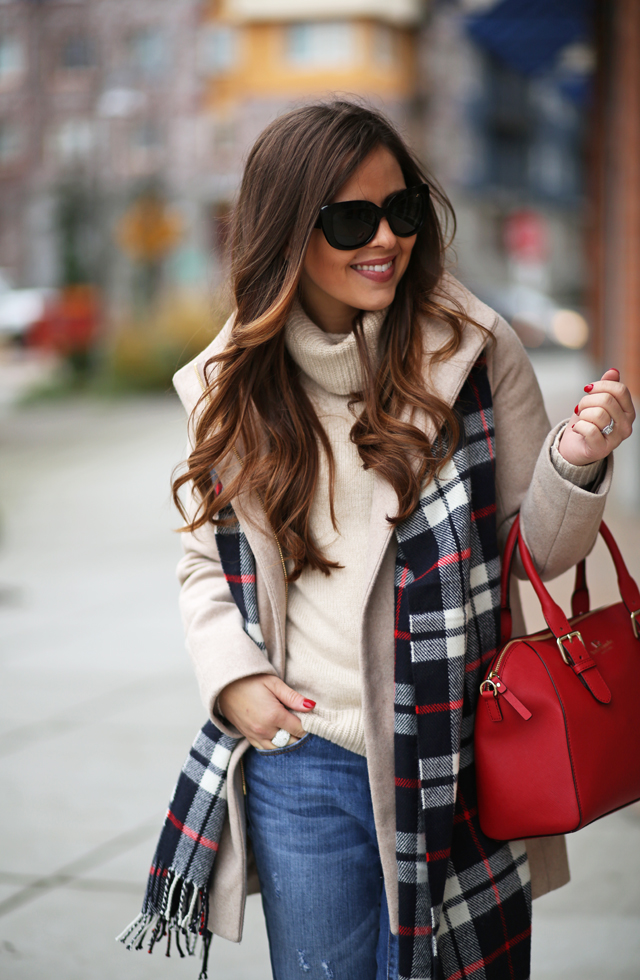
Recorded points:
(176,900)
(464,900)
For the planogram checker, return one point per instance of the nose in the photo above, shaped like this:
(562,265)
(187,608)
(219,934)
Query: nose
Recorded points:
(384,237)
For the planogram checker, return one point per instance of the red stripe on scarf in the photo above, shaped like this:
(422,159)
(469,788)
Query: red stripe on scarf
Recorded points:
(482,415)
(240,579)
(477,515)
(428,709)
(415,930)
(447,560)
(407,783)
(198,838)
(439,855)
(486,960)
(479,661)
(506,947)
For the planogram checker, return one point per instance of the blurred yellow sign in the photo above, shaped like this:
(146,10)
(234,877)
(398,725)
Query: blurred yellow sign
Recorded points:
(148,229)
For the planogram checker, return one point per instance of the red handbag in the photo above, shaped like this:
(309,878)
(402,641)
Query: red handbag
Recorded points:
(557,733)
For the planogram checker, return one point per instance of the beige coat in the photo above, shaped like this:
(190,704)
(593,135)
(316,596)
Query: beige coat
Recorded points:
(560,522)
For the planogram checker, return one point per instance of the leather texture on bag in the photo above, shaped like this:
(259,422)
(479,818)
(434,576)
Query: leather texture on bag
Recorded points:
(557,735)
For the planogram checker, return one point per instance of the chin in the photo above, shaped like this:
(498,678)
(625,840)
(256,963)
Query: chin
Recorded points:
(378,302)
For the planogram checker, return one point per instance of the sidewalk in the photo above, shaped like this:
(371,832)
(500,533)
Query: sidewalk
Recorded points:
(98,706)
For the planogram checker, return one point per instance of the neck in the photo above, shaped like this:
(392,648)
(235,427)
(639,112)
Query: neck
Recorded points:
(330,314)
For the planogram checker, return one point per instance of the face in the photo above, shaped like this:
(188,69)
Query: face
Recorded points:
(336,285)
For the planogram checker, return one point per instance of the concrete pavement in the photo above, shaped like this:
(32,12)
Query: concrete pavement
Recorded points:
(98,706)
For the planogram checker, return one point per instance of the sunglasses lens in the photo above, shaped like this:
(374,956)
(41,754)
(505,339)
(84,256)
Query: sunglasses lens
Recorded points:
(406,213)
(353,227)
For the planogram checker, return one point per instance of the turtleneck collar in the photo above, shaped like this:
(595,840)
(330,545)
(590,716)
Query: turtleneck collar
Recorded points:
(331,360)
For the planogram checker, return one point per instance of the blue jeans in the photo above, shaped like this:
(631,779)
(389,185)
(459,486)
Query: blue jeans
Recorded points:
(310,819)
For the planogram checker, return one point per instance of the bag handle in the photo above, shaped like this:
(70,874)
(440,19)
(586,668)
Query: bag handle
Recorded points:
(580,601)
(628,589)
(570,642)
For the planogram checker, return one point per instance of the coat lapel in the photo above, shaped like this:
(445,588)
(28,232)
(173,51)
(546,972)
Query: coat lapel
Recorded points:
(189,383)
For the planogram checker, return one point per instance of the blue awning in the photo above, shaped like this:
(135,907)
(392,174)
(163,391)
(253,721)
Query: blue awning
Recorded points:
(528,34)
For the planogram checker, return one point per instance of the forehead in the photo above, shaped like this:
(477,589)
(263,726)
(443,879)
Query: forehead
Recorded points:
(375,179)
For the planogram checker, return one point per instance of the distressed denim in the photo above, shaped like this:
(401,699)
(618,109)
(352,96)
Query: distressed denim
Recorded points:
(310,819)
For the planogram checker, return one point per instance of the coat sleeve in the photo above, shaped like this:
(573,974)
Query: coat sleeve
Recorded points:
(559,518)
(217,643)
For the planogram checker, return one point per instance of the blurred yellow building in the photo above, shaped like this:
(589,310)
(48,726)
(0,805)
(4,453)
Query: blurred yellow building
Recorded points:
(289,49)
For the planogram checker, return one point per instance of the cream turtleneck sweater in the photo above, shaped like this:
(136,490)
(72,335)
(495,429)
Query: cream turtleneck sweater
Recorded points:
(324,612)
(323,616)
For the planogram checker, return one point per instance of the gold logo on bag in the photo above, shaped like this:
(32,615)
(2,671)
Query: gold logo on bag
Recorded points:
(600,646)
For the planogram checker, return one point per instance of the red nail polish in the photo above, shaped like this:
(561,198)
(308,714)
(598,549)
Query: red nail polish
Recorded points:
(576,410)
(588,387)
(615,369)
(573,426)
(308,703)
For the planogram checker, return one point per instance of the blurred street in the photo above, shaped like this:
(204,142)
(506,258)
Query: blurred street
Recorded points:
(99,705)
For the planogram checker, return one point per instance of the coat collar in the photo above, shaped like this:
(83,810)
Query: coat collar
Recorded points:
(444,378)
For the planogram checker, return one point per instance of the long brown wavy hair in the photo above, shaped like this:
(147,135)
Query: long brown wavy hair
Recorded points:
(254,403)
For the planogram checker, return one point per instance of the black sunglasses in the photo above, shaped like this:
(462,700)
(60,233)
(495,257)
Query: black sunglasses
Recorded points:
(351,224)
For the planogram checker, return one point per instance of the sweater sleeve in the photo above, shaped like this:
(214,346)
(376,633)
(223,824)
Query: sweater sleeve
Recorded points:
(559,518)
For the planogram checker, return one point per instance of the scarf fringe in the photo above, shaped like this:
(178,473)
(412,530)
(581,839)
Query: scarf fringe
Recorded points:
(175,909)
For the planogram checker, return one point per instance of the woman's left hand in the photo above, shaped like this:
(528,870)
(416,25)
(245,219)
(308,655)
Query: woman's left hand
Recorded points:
(604,401)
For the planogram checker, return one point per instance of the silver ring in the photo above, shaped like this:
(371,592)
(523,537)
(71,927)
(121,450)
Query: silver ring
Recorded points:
(608,429)
(281,738)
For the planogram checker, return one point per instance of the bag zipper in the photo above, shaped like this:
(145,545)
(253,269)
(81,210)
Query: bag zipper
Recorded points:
(545,635)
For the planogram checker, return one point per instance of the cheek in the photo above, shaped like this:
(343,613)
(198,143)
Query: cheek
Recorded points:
(406,247)
(324,265)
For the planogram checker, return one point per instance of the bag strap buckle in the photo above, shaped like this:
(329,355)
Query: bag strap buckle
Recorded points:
(575,635)
(634,622)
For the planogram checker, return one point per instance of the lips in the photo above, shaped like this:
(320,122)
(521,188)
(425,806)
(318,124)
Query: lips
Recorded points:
(376,271)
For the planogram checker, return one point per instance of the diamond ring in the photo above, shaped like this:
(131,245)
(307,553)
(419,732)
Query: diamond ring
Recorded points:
(281,738)
(608,429)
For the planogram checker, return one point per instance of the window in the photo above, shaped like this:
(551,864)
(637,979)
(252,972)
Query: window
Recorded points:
(74,140)
(321,45)
(10,142)
(11,57)
(77,52)
(147,51)
(218,49)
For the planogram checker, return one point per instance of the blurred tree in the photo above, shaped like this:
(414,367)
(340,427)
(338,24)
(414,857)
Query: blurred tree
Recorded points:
(147,232)
(75,225)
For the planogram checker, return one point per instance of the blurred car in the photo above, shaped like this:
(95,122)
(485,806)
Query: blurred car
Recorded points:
(21,309)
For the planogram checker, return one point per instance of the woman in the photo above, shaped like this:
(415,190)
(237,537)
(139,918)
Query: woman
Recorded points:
(362,418)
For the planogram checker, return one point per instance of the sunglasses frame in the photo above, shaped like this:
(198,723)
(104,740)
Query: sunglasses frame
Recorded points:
(325,217)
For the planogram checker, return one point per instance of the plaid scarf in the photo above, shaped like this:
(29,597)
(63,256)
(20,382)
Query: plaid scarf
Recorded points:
(464,900)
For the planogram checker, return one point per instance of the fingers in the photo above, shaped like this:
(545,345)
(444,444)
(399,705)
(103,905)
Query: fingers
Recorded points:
(289,697)
(602,402)
(254,705)
(614,391)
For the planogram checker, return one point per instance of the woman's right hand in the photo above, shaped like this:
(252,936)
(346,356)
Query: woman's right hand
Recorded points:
(257,707)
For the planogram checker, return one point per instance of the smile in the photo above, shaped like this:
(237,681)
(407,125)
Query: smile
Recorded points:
(379,272)
(374,268)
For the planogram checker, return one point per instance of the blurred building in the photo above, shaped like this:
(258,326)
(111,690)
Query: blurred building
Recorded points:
(101,100)
(507,88)
(97,98)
